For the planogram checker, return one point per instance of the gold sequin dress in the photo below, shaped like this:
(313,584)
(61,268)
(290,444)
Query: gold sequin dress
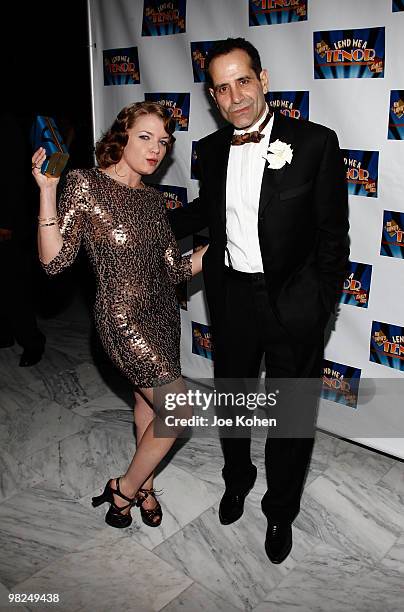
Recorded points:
(137,264)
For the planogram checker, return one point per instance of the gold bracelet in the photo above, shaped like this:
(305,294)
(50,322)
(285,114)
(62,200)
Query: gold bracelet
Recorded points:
(47,218)
(47,224)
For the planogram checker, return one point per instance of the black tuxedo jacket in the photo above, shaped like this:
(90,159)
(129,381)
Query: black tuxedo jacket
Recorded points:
(302,224)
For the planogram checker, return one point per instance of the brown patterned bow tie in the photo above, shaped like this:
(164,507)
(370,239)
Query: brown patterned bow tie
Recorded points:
(240,139)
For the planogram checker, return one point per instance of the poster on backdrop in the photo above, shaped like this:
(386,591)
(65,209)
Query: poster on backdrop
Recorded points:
(387,345)
(121,66)
(396,115)
(361,172)
(293,104)
(163,18)
(202,343)
(356,287)
(392,242)
(175,196)
(340,383)
(347,54)
(177,105)
(199,51)
(270,12)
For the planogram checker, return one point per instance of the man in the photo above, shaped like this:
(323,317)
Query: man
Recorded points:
(276,206)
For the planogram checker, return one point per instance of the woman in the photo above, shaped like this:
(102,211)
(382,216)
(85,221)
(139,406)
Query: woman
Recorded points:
(123,225)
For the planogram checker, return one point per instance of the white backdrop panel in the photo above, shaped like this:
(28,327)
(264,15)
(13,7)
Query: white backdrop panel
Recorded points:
(357,109)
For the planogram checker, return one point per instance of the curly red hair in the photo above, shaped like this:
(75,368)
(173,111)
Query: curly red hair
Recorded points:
(109,148)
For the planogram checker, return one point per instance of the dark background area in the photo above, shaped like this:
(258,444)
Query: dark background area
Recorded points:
(46,67)
(46,71)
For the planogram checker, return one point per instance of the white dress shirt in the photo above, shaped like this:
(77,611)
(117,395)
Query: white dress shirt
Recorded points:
(243,187)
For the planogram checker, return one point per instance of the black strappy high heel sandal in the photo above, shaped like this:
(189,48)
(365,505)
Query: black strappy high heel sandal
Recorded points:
(149,515)
(114,516)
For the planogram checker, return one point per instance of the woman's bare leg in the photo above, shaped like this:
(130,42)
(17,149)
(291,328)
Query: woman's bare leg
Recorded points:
(150,449)
(143,414)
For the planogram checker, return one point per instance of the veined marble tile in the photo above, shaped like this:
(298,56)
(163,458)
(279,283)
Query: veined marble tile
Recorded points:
(106,409)
(72,387)
(192,453)
(22,395)
(41,466)
(6,605)
(83,462)
(198,599)
(183,498)
(8,475)
(52,362)
(230,560)
(324,449)
(109,572)
(394,559)
(15,476)
(331,580)
(377,501)
(30,426)
(393,481)
(212,472)
(358,462)
(349,516)
(37,527)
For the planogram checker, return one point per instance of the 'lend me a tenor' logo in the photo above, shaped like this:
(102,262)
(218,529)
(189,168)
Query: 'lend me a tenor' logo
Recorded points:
(176,103)
(387,345)
(269,12)
(361,172)
(396,115)
(161,18)
(392,242)
(397,5)
(176,197)
(199,51)
(356,285)
(293,104)
(202,340)
(344,54)
(340,383)
(121,66)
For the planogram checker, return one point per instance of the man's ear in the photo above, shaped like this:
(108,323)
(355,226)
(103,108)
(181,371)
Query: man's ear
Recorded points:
(264,78)
(212,93)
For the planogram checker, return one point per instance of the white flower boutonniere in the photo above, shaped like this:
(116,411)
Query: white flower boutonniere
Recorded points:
(279,154)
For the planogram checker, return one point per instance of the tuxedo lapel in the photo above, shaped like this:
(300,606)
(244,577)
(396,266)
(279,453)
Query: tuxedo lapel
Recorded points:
(221,158)
(271,179)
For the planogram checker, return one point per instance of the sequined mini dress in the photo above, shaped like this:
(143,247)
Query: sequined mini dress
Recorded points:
(137,263)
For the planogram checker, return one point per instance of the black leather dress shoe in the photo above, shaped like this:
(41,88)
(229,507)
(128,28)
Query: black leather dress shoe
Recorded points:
(278,541)
(30,357)
(231,506)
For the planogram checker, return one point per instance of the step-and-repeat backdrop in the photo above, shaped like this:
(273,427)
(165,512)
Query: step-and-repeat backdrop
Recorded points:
(336,63)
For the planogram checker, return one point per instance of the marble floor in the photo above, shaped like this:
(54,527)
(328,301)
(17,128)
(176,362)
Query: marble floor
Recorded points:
(66,427)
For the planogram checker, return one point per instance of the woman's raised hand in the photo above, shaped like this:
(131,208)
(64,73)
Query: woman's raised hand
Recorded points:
(42,180)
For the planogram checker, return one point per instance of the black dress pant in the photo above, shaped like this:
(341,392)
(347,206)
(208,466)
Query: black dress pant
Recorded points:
(249,332)
(17,312)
